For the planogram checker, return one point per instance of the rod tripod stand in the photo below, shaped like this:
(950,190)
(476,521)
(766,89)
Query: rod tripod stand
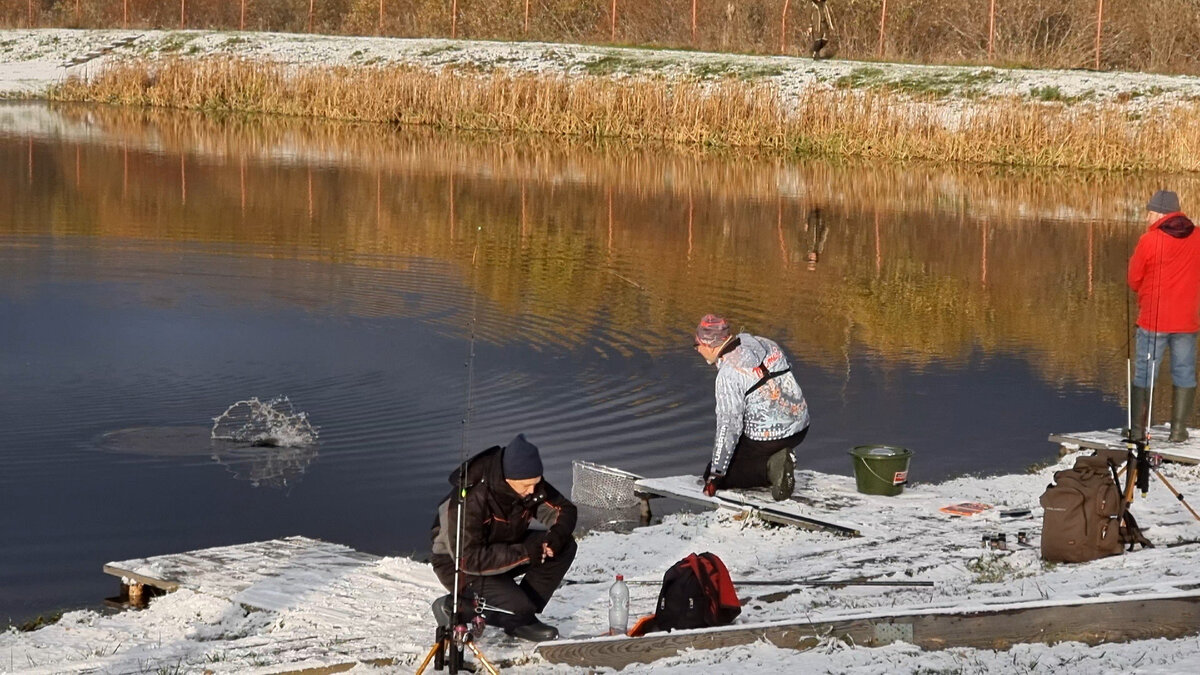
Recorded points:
(447,650)
(1139,464)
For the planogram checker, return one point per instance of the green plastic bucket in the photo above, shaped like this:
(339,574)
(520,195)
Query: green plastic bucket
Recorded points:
(880,469)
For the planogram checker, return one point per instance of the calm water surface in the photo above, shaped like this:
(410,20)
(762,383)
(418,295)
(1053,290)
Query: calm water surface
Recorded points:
(155,268)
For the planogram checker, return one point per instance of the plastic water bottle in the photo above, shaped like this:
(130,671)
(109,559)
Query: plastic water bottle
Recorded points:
(618,607)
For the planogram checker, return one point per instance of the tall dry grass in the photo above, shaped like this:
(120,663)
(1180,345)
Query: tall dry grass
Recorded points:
(724,114)
(1155,35)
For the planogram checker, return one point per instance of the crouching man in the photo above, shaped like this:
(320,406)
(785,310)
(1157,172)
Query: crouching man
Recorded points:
(503,493)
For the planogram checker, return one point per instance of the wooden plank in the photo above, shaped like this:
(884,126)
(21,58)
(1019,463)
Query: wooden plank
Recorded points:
(785,513)
(1187,452)
(166,585)
(1089,621)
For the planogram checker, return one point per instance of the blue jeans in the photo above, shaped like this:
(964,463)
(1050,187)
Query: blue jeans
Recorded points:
(1183,357)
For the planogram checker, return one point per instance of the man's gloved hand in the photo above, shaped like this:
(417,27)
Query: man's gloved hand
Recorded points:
(533,546)
(710,486)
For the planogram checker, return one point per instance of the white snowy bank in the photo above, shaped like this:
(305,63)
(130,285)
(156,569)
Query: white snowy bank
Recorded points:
(195,630)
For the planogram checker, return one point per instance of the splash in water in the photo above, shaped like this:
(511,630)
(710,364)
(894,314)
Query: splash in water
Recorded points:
(273,423)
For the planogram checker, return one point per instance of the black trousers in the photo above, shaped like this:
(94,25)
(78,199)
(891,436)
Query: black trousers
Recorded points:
(538,582)
(748,466)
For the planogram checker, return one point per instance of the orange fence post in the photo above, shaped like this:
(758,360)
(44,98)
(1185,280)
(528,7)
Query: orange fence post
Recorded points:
(77,11)
(991,28)
(882,26)
(613,33)
(379,28)
(454,19)
(310,14)
(242,20)
(182,13)
(526,17)
(693,23)
(30,9)
(1099,28)
(783,27)
(125,14)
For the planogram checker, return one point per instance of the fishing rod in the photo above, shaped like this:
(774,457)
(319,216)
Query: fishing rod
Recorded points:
(457,636)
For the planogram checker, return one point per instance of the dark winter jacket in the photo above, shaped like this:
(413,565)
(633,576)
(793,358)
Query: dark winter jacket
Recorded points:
(496,534)
(1164,271)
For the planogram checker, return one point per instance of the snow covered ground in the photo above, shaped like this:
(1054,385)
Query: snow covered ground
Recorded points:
(194,630)
(31,60)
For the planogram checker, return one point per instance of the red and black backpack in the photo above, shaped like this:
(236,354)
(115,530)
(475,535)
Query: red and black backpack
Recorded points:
(696,593)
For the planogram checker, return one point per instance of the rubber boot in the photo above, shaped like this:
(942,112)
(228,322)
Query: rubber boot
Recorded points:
(1181,410)
(781,471)
(1139,405)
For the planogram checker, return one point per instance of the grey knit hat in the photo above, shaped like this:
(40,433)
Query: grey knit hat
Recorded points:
(1163,201)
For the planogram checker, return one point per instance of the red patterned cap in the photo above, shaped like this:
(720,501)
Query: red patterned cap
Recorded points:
(712,331)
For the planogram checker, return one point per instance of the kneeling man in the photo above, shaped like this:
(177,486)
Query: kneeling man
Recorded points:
(503,493)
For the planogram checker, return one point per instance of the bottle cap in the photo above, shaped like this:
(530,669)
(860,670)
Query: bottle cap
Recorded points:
(620,577)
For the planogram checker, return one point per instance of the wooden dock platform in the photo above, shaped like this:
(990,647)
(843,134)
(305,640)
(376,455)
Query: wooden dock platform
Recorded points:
(1187,452)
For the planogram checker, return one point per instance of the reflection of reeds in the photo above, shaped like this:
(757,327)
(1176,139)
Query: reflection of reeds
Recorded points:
(871,124)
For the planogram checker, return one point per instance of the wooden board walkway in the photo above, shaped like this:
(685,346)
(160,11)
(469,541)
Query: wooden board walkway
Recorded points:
(1091,621)
(1187,452)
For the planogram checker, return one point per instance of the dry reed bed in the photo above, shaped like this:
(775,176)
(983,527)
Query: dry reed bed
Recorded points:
(721,114)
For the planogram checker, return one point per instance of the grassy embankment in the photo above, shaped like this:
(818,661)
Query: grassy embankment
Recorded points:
(872,123)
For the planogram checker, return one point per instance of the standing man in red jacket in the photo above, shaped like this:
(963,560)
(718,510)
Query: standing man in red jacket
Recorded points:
(1165,273)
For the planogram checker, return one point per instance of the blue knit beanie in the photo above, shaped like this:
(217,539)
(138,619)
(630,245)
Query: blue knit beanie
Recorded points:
(521,460)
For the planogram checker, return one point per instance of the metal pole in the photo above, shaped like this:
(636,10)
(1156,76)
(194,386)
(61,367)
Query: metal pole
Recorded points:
(612,37)
(991,28)
(1099,28)
(882,26)
(783,27)
(693,23)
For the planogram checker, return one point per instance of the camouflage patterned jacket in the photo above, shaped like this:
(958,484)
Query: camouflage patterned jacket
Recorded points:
(768,411)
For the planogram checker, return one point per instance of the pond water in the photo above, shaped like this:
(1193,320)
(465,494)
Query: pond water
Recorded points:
(156,268)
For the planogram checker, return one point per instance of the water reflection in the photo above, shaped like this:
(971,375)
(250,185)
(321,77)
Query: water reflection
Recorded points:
(156,266)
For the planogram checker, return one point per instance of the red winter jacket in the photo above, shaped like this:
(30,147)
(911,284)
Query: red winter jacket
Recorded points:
(1165,273)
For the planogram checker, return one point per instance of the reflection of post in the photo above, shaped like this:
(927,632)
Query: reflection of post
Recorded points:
(878,247)
(1091,227)
(242,181)
(691,209)
(524,219)
(779,230)
(379,201)
(31,161)
(76,167)
(125,175)
(983,255)
(310,195)
(610,219)
(182,180)
(452,206)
